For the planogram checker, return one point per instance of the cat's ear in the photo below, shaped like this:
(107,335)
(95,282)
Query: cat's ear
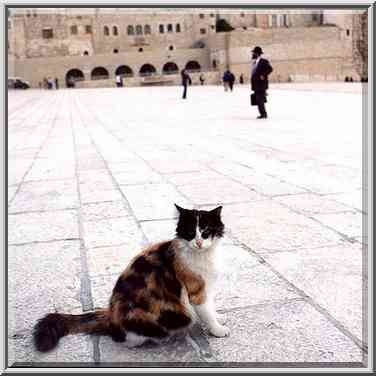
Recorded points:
(180,210)
(217,211)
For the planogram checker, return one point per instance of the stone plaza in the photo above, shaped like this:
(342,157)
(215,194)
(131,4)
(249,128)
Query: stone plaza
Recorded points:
(93,175)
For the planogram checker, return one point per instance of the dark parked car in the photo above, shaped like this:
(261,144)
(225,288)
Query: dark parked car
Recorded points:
(17,83)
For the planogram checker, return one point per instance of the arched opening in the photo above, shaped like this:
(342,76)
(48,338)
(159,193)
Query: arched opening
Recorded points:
(130,30)
(86,53)
(116,51)
(171,48)
(147,29)
(99,73)
(178,28)
(115,30)
(169,28)
(193,66)
(106,30)
(147,70)
(170,68)
(138,29)
(140,49)
(72,76)
(124,71)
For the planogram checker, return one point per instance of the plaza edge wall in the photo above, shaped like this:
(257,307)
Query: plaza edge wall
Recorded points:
(34,70)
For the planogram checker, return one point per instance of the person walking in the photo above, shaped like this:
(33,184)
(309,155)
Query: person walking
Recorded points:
(231,80)
(202,79)
(185,80)
(226,79)
(241,79)
(56,83)
(261,69)
(118,81)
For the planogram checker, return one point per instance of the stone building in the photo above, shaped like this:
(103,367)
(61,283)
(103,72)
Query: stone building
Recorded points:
(151,46)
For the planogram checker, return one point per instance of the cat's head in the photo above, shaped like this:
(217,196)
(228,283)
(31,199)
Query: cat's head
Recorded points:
(200,229)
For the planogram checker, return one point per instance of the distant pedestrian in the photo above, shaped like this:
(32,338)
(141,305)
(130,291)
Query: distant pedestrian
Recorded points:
(226,79)
(50,83)
(202,79)
(261,69)
(231,81)
(185,80)
(40,85)
(241,79)
(56,83)
(119,81)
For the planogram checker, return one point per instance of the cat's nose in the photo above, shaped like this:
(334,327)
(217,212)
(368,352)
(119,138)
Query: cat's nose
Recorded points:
(199,243)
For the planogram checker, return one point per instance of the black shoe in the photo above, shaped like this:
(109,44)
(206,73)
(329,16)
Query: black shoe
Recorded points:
(262,117)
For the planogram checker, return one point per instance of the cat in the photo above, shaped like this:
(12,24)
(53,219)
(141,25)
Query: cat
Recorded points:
(161,292)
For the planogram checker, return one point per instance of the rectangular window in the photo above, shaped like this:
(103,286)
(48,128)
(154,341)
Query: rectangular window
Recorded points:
(285,20)
(73,30)
(348,32)
(169,28)
(202,31)
(47,33)
(161,29)
(88,29)
(202,15)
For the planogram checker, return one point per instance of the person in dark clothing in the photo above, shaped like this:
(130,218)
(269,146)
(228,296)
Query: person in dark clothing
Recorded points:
(185,80)
(261,69)
(202,79)
(56,83)
(226,79)
(241,79)
(231,81)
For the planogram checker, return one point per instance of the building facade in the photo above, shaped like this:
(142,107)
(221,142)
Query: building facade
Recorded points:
(151,46)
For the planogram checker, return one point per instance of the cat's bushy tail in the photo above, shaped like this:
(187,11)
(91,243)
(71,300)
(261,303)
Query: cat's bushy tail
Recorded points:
(48,330)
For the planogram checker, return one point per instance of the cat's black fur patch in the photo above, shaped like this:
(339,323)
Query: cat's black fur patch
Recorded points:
(127,286)
(145,328)
(142,265)
(173,320)
(116,333)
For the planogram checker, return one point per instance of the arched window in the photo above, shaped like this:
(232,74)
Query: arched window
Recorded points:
(169,28)
(115,30)
(161,29)
(99,73)
(171,48)
(86,53)
(124,71)
(73,30)
(193,66)
(178,28)
(138,29)
(130,30)
(147,70)
(170,68)
(106,30)
(147,29)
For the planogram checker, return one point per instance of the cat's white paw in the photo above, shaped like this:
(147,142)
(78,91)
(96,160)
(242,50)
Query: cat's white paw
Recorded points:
(221,317)
(220,331)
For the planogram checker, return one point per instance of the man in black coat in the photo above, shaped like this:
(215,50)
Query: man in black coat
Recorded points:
(261,68)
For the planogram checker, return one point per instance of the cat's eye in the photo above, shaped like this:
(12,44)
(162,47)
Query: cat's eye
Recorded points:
(205,234)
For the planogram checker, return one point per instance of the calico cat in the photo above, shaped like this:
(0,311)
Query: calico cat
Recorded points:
(160,293)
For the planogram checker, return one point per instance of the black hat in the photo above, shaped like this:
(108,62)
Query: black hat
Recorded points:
(258,50)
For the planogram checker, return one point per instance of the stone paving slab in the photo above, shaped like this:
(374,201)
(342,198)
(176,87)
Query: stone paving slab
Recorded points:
(39,284)
(42,226)
(271,227)
(283,332)
(103,210)
(153,201)
(332,276)
(46,195)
